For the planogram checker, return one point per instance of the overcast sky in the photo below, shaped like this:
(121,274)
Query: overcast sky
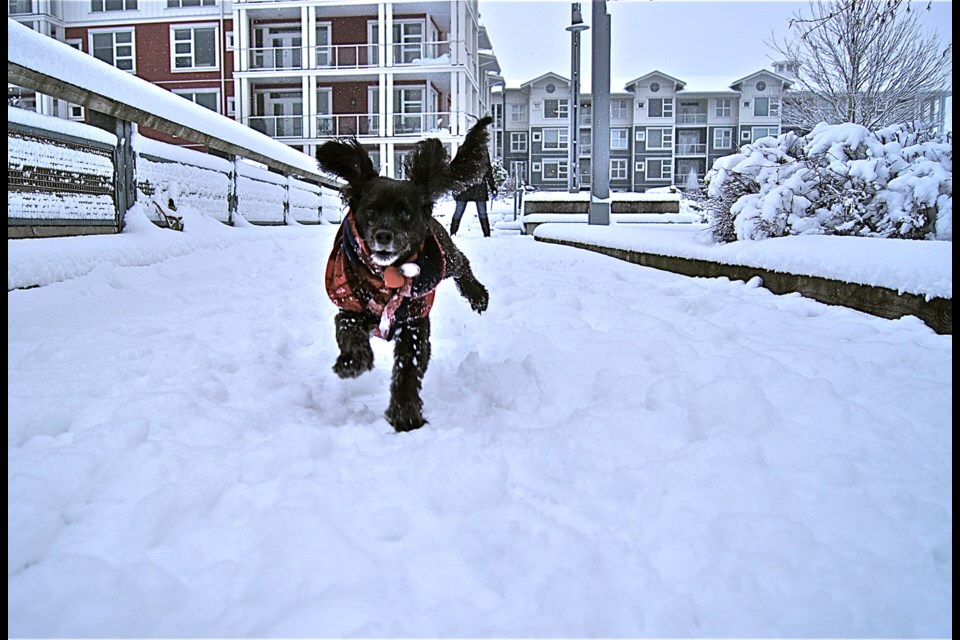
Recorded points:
(680,37)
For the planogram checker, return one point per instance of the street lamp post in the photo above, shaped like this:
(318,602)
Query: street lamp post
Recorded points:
(600,114)
(573,165)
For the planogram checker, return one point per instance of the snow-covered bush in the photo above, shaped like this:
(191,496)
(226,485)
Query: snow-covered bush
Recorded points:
(836,180)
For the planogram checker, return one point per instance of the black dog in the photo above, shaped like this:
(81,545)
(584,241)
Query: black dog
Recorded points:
(390,254)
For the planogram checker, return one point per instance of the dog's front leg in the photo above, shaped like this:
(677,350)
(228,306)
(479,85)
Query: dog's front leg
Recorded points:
(411,355)
(353,338)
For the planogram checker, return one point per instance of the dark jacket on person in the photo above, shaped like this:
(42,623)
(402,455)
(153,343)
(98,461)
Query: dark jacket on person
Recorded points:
(479,192)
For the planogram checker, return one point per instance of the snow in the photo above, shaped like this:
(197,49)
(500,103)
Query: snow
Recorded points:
(59,125)
(584,196)
(838,179)
(612,450)
(922,267)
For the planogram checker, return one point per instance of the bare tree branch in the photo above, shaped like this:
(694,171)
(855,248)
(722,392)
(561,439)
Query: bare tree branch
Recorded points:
(862,61)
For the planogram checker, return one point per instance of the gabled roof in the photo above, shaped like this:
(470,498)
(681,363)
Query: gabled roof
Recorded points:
(545,76)
(680,83)
(708,84)
(737,84)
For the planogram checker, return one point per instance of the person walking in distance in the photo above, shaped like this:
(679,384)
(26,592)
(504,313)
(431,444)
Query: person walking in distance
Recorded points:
(478,193)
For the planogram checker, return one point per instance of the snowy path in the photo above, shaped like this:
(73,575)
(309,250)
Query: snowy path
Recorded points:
(612,451)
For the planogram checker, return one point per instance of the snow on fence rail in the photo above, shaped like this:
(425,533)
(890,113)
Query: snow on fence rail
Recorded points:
(63,178)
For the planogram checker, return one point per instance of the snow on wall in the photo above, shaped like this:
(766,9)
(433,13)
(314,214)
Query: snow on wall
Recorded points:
(22,206)
(57,181)
(259,201)
(59,125)
(305,201)
(34,152)
(198,188)
(192,179)
(149,146)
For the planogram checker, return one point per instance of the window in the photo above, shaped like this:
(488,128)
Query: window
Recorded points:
(618,168)
(661,108)
(763,107)
(659,138)
(555,139)
(619,109)
(518,142)
(408,41)
(556,109)
(209,98)
(724,107)
(761,86)
(498,115)
(408,106)
(654,87)
(193,48)
(554,169)
(324,111)
(113,5)
(179,4)
(15,7)
(550,88)
(619,139)
(114,48)
(231,106)
(659,169)
(518,113)
(763,132)
(518,169)
(722,138)
(323,44)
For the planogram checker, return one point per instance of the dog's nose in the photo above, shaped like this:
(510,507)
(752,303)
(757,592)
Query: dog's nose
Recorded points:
(383,237)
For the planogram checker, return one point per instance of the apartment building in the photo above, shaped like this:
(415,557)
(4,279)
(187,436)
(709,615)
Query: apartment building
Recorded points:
(664,131)
(301,71)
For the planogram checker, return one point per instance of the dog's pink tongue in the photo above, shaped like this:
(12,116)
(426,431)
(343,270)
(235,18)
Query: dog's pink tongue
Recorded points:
(392,277)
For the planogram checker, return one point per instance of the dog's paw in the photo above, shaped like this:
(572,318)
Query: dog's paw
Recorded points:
(351,365)
(404,417)
(476,294)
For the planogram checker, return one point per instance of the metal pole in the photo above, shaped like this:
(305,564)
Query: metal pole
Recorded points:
(600,157)
(573,173)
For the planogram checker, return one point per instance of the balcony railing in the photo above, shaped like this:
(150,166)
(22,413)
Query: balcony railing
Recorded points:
(691,148)
(278,126)
(350,124)
(691,118)
(348,56)
(416,123)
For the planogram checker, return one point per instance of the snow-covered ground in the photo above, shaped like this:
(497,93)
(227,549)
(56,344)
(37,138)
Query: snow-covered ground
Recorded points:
(612,451)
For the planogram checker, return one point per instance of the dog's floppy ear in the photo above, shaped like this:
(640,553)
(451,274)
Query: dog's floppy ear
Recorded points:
(348,160)
(429,166)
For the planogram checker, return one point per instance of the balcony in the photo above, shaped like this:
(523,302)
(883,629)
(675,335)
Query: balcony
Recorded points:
(278,126)
(350,124)
(691,118)
(347,56)
(417,123)
(691,148)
